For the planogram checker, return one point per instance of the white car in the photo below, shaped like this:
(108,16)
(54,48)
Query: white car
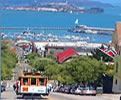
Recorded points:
(79,90)
(89,90)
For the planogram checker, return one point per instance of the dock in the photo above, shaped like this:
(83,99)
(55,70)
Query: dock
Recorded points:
(94,30)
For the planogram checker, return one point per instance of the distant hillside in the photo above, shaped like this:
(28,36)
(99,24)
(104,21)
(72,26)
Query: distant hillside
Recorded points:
(89,3)
(86,3)
(25,2)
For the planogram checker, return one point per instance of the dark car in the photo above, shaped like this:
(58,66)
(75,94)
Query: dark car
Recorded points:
(67,89)
(73,89)
(3,88)
(61,89)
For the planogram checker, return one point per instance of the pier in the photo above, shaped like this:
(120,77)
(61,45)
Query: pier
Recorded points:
(100,29)
(95,30)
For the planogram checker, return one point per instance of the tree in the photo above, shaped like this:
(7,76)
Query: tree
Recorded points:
(78,69)
(9,60)
(109,71)
(46,66)
(83,69)
(32,57)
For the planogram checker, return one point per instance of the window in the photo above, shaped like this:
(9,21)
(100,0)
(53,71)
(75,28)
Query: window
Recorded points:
(116,67)
(116,81)
(33,81)
(41,80)
(25,81)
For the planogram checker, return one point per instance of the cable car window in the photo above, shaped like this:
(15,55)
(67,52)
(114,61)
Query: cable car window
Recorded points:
(25,81)
(33,81)
(41,80)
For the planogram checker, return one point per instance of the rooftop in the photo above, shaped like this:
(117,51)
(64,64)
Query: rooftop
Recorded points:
(63,56)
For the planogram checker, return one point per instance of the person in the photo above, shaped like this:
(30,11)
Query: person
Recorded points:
(17,86)
(49,87)
(14,87)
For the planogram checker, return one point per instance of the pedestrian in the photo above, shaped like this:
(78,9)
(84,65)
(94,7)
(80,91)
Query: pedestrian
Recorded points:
(14,87)
(17,86)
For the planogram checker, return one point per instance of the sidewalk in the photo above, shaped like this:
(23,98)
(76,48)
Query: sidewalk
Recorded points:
(112,96)
(9,94)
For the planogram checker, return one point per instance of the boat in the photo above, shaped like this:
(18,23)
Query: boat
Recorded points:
(71,12)
(77,22)
(91,31)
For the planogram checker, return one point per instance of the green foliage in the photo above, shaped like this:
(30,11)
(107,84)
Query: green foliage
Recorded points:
(110,71)
(8,61)
(78,69)
(47,66)
(83,69)
(33,57)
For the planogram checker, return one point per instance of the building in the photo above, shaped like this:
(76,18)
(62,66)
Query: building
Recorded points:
(40,48)
(65,55)
(117,44)
(82,48)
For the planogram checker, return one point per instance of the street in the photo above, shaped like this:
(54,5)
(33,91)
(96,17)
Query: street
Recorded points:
(9,94)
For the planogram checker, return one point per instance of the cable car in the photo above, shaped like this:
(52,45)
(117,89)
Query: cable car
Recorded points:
(32,84)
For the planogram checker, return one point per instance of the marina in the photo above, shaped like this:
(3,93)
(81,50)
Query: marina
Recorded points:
(53,36)
(51,26)
(35,28)
(39,36)
(76,29)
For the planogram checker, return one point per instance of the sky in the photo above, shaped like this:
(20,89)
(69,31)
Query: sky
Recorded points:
(113,2)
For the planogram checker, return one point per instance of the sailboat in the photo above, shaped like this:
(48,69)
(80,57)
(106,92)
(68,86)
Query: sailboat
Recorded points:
(28,29)
(77,22)
(71,12)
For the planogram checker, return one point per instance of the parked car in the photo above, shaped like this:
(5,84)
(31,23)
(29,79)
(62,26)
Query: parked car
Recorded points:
(89,90)
(73,89)
(3,88)
(79,90)
(55,89)
(67,88)
(99,90)
(61,89)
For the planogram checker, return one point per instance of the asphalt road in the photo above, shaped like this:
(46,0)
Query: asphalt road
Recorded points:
(9,94)
(59,96)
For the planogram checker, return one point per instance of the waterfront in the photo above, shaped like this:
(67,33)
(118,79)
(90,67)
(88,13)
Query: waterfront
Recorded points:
(51,35)
(59,19)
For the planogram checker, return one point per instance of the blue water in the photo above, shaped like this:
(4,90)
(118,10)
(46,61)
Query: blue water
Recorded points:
(33,18)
